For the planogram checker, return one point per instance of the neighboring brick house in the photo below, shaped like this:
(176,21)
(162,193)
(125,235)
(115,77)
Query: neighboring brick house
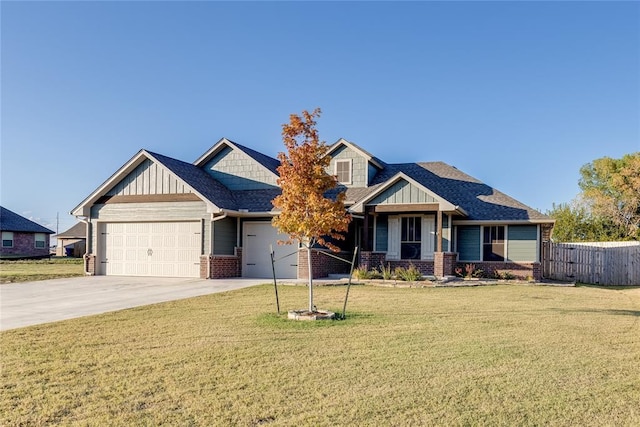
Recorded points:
(21,237)
(72,243)
(159,216)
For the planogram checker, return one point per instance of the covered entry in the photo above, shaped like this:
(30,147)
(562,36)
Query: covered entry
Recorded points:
(169,249)
(257,237)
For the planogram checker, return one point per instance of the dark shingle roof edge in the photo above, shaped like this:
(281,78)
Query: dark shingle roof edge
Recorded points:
(214,191)
(11,221)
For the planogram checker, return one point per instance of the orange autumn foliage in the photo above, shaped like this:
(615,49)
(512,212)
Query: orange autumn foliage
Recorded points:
(306,214)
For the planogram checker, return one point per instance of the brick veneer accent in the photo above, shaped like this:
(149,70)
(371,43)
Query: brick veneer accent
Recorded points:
(323,265)
(90,264)
(425,267)
(518,269)
(444,263)
(221,266)
(24,245)
(372,260)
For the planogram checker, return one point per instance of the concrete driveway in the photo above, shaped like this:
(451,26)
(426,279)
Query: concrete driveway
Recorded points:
(32,303)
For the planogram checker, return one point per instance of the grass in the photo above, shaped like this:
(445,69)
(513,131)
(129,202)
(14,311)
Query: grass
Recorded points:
(30,270)
(495,355)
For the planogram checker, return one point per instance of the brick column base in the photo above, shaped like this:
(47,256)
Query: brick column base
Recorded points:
(444,264)
(90,264)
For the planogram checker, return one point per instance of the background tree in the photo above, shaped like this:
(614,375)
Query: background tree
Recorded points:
(608,208)
(306,214)
(575,223)
(612,186)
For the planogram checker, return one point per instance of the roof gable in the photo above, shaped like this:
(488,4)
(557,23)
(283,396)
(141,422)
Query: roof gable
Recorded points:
(11,221)
(78,231)
(402,189)
(239,167)
(170,176)
(344,143)
(479,201)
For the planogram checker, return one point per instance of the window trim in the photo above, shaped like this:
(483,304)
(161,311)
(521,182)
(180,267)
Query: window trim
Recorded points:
(419,218)
(7,234)
(335,170)
(44,240)
(490,243)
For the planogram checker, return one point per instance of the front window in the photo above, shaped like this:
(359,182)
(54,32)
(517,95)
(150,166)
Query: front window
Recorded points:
(7,239)
(411,237)
(493,243)
(41,241)
(343,171)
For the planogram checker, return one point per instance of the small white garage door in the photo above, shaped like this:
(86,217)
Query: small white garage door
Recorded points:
(169,249)
(257,237)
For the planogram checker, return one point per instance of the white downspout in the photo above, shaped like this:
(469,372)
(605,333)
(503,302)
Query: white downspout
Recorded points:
(213,219)
(89,242)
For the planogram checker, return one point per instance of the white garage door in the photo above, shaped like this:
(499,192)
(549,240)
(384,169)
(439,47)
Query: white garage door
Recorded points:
(257,237)
(169,249)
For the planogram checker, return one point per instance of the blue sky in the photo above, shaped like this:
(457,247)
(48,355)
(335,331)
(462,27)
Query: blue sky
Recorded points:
(517,94)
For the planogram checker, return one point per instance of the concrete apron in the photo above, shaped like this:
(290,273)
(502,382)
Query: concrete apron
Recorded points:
(33,303)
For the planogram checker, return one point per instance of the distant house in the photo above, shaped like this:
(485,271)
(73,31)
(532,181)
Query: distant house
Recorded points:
(72,242)
(158,216)
(21,237)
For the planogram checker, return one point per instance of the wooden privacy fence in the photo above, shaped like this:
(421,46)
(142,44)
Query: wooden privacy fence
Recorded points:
(598,263)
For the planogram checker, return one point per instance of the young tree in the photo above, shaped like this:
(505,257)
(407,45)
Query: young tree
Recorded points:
(307,215)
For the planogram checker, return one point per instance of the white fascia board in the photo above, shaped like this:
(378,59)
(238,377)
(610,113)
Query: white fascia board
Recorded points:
(84,208)
(355,148)
(212,151)
(211,207)
(445,205)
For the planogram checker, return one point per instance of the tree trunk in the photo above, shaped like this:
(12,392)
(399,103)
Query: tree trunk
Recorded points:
(310,279)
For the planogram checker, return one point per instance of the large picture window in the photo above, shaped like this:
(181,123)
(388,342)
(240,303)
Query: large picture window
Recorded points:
(493,243)
(411,237)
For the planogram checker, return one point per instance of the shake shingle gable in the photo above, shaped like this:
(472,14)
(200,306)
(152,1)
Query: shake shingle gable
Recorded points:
(268,162)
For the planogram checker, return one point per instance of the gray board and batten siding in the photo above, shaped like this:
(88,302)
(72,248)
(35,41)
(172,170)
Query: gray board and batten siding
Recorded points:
(402,192)
(148,178)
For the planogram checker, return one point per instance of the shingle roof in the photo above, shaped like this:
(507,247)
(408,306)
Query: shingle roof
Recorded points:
(256,200)
(78,231)
(266,161)
(11,221)
(200,180)
(479,200)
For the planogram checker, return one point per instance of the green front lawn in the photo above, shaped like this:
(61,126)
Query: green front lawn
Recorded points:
(30,270)
(494,355)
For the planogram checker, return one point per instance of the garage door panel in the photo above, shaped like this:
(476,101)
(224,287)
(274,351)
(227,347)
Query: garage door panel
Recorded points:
(258,239)
(151,249)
